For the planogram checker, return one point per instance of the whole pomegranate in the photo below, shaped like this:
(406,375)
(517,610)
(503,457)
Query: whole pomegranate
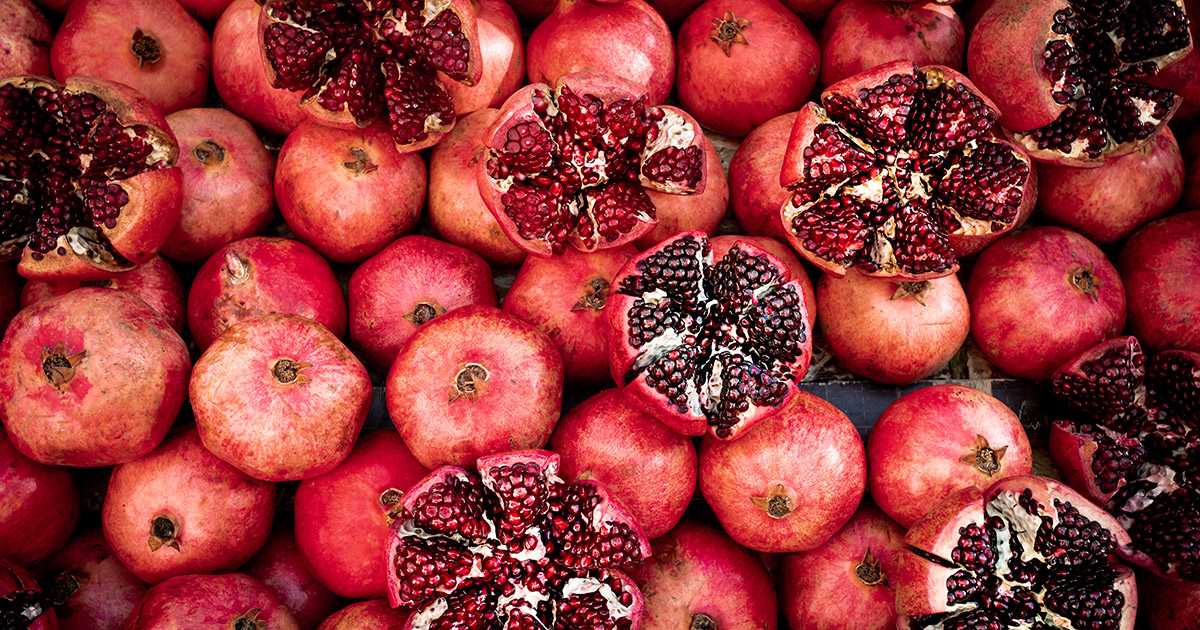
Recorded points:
(89,587)
(198,514)
(516,546)
(937,440)
(38,509)
(227,174)
(790,482)
(853,571)
(153,46)
(344,517)
(502,55)
(279,398)
(861,34)
(892,332)
(375,614)
(233,600)
(702,211)
(24,39)
(90,378)
(699,578)
(722,244)
(722,41)
(474,381)
(565,297)
(410,282)
(240,72)
(1159,265)
(280,567)
(1168,604)
(649,468)
(263,275)
(207,10)
(1040,297)
(754,187)
(853,203)
(23,605)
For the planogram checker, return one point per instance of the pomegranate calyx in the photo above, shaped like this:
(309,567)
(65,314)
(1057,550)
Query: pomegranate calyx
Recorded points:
(288,371)
(65,585)
(870,570)
(777,502)
(727,31)
(162,533)
(209,152)
(595,296)
(249,620)
(145,48)
(915,290)
(58,366)
(983,457)
(471,382)
(422,312)
(361,164)
(1084,280)
(237,269)
(701,621)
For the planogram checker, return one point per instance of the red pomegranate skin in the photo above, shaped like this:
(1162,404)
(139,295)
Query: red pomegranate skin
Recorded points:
(862,34)
(25,37)
(13,578)
(648,467)
(1166,604)
(502,56)
(1106,204)
(121,375)
(240,72)
(804,466)
(683,213)
(97,39)
(219,516)
(732,87)
(90,588)
(877,332)
(387,291)
(1040,297)
(156,283)
(206,10)
(191,602)
(38,508)
(281,568)
(819,587)
(10,294)
(754,177)
(262,275)
(1160,264)
(472,382)
(722,244)
(344,517)
(375,614)
(348,193)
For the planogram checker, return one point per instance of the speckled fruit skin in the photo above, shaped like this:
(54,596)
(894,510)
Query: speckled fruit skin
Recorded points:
(862,34)
(38,508)
(221,516)
(682,213)
(375,614)
(754,177)
(280,423)
(91,589)
(240,72)
(502,55)
(13,578)
(24,39)
(722,244)
(1160,264)
(115,403)
(514,408)
(192,602)
(808,457)
(281,568)
(344,517)
(1167,604)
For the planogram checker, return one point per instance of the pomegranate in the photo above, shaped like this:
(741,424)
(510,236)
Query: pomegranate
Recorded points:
(375,614)
(10,294)
(348,193)
(344,517)
(227,175)
(456,208)
(674,11)
(474,381)
(754,177)
(699,578)
(240,72)
(649,468)
(862,34)
(356,61)
(850,572)
(234,600)
(937,440)
(565,297)
(855,204)
(22,604)
(547,181)
(722,244)
(702,211)
(892,332)
(153,46)
(1028,551)
(89,587)
(502,57)
(199,514)
(704,344)
(718,45)
(1183,77)
(410,282)
(109,195)
(627,39)
(280,398)
(24,39)
(207,10)
(155,283)
(1168,604)
(259,276)
(1159,265)
(1106,204)
(281,568)
(516,543)
(790,482)
(1066,73)
(38,509)
(91,378)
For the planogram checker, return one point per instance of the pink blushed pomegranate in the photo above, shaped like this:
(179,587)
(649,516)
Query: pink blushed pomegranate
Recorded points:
(153,46)
(240,72)
(22,603)
(227,174)
(409,283)
(375,614)
(722,244)
(853,571)
(89,587)
(565,298)
(699,578)
(259,276)
(474,381)
(862,34)
(344,517)
(892,332)
(502,54)
(1040,297)
(1167,604)
(235,600)
(181,510)
(280,398)
(1159,264)
(39,507)
(24,39)
(754,187)
(281,568)
(91,378)
(206,10)
(790,482)
(702,211)
(648,467)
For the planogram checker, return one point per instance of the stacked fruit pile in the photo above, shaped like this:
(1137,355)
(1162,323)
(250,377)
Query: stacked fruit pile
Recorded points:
(508,315)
